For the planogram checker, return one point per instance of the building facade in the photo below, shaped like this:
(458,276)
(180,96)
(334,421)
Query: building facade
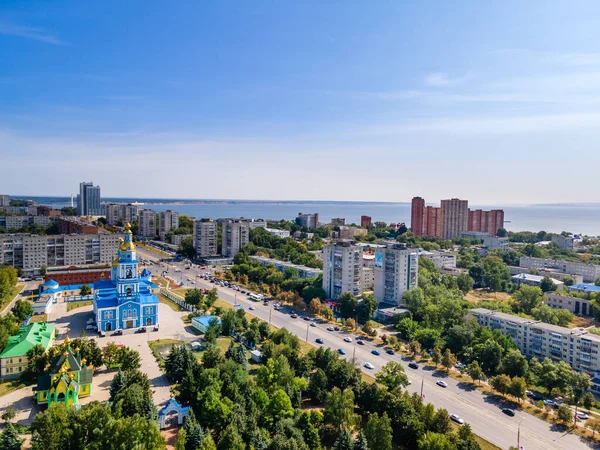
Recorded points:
(440,259)
(75,275)
(417,214)
(205,238)
(73,225)
(235,236)
(147,223)
(365,221)
(4,200)
(486,221)
(564,242)
(281,266)
(396,271)
(589,272)
(126,300)
(338,221)
(342,269)
(88,200)
(308,220)
(13,359)
(169,220)
(279,233)
(455,217)
(120,213)
(30,252)
(14,223)
(578,306)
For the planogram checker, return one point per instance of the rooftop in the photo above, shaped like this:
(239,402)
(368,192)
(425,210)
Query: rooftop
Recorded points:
(29,336)
(585,287)
(501,315)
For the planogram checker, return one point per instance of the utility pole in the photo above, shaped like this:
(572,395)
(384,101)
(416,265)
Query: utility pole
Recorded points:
(422,382)
(270,311)
(307,327)
(519,436)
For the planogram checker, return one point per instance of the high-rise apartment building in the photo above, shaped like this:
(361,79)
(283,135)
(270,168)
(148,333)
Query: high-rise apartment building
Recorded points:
(432,221)
(338,221)
(342,269)
(88,200)
(235,236)
(417,216)
(365,221)
(307,220)
(486,221)
(168,220)
(396,271)
(205,238)
(147,223)
(121,213)
(4,200)
(455,217)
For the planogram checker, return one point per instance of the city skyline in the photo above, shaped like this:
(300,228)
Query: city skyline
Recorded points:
(275,101)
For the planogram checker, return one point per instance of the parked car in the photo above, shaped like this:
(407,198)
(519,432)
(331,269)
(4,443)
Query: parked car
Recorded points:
(251,308)
(376,352)
(312,324)
(118,333)
(582,416)
(347,339)
(389,351)
(319,341)
(330,328)
(508,412)
(294,316)
(336,328)
(91,327)
(307,318)
(456,418)
(341,351)
(413,365)
(360,342)
(369,366)
(442,383)
(549,402)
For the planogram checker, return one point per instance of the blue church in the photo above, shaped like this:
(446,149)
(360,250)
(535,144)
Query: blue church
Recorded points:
(127,299)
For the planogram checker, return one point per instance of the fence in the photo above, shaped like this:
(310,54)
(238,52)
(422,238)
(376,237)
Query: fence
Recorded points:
(79,298)
(177,299)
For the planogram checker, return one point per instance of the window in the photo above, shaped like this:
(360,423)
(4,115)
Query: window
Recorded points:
(108,314)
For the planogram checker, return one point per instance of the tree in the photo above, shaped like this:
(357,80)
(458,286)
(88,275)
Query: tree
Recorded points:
(9,439)
(344,441)
(315,307)
(279,407)
(441,422)
(547,285)
(22,310)
(195,298)
(208,443)
(475,372)
(367,307)
(564,414)
(231,439)
(360,444)
(514,364)
(464,282)
(347,304)
(489,355)
(568,280)
(589,401)
(339,409)
(501,232)
(50,430)
(369,328)
(111,354)
(392,376)
(415,347)
(527,298)
(180,444)
(379,432)
(85,290)
(501,383)
(448,360)
(318,386)
(128,359)
(9,413)
(594,424)
(187,248)
(517,387)
(37,359)
(466,439)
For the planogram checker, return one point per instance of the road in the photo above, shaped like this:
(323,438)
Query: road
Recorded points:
(483,413)
(25,292)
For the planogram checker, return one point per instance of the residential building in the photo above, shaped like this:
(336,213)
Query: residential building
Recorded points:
(349,232)
(515,270)
(147,223)
(338,221)
(578,306)
(455,217)
(534,280)
(282,266)
(486,221)
(417,215)
(369,260)
(13,359)
(589,272)
(584,288)
(276,232)
(205,238)
(368,278)
(31,252)
(88,200)
(169,220)
(441,259)
(564,242)
(126,300)
(432,221)
(342,264)
(177,239)
(307,220)
(575,346)
(235,236)
(490,241)
(120,213)
(365,221)
(14,223)
(73,225)
(256,223)
(4,200)
(396,271)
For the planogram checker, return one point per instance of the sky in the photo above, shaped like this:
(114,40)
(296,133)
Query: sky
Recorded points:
(497,102)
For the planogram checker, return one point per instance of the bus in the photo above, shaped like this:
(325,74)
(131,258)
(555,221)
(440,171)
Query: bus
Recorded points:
(256,297)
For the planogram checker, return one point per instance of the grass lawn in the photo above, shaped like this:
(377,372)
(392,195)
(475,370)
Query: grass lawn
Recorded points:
(174,306)
(39,318)
(74,305)
(478,295)
(10,386)
(10,297)
(154,250)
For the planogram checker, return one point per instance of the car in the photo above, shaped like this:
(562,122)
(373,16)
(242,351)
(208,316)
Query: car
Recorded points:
(248,293)
(265,303)
(360,342)
(549,402)
(336,328)
(294,316)
(533,395)
(242,291)
(330,328)
(306,318)
(347,339)
(413,365)
(193,282)
(460,366)
(101,333)
(319,341)
(91,327)
(341,351)
(508,412)
(369,366)
(442,384)
(376,352)
(155,328)
(389,351)
(118,333)
(456,418)
(251,308)
(90,321)
(312,324)
(582,416)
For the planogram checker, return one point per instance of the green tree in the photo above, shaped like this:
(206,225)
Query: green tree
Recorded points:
(527,298)
(37,358)
(475,372)
(230,439)
(208,443)
(279,407)
(85,290)
(501,383)
(366,307)
(547,285)
(187,248)
(128,359)
(194,297)
(392,376)
(589,401)
(347,305)
(489,355)
(466,439)
(514,364)
(517,387)
(415,347)
(318,386)
(339,409)
(361,442)
(464,282)
(379,432)
(436,356)
(435,441)
(22,310)
(9,439)
(564,414)
(51,429)
(344,441)
(111,354)
(448,360)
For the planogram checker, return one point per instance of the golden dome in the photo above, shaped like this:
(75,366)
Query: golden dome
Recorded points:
(127,227)
(127,246)
(115,262)
(76,349)
(67,340)
(65,354)
(83,360)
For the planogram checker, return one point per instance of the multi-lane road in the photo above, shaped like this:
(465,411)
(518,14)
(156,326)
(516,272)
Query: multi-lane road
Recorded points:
(483,413)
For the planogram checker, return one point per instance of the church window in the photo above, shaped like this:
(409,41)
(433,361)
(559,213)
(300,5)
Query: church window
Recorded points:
(129,274)
(108,314)
(129,291)
(149,310)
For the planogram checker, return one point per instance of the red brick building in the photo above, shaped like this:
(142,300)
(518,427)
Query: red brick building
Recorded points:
(71,225)
(486,221)
(76,275)
(365,221)
(417,217)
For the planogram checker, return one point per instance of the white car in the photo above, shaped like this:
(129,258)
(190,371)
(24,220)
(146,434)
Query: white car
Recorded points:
(330,328)
(347,339)
(582,416)
(251,308)
(312,324)
(442,383)
(457,419)
(91,327)
(369,366)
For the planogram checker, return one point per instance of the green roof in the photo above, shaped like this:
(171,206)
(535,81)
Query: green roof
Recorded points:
(28,337)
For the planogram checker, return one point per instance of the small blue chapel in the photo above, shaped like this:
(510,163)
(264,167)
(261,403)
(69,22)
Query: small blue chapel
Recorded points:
(127,299)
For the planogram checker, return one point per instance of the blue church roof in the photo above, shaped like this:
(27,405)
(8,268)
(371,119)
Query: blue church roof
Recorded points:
(145,273)
(50,283)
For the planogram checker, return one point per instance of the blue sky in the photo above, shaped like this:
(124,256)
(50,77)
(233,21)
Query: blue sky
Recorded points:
(497,101)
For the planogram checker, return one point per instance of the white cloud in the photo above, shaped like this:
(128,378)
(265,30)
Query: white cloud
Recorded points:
(36,34)
(440,79)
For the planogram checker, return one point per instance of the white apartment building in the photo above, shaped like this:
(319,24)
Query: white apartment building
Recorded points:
(368,278)
(575,346)
(396,271)
(441,260)
(589,272)
(120,213)
(276,232)
(4,200)
(257,223)
(235,236)
(205,238)
(281,266)
(564,242)
(574,304)
(147,223)
(177,239)
(308,220)
(169,220)
(12,223)
(535,280)
(342,269)
(32,252)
